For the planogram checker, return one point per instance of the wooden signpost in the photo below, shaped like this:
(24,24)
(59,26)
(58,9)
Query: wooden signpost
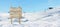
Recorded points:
(15,13)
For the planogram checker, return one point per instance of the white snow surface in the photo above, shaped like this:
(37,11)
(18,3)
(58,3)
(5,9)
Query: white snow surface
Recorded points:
(48,18)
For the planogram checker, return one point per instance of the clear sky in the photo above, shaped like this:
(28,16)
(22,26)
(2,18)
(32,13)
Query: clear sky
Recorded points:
(54,3)
(28,5)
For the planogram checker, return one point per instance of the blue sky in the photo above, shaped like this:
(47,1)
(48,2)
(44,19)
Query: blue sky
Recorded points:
(27,5)
(54,3)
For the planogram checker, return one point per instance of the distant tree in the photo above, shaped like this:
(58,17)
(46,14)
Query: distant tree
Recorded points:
(50,7)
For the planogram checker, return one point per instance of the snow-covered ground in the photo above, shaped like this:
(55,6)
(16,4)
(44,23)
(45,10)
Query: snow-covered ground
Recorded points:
(48,18)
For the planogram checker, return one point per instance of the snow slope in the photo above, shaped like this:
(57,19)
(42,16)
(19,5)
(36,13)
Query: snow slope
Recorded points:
(48,18)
